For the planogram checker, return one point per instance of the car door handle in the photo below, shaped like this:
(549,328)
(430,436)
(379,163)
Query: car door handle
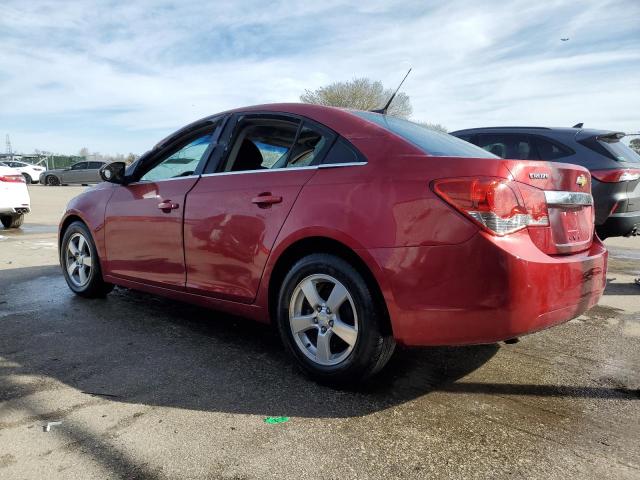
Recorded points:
(266,199)
(167,205)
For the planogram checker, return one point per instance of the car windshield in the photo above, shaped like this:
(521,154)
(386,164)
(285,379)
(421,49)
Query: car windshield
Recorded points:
(619,150)
(429,141)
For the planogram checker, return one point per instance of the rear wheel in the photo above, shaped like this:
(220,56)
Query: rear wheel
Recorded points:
(27,178)
(52,180)
(331,322)
(80,263)
(12,221)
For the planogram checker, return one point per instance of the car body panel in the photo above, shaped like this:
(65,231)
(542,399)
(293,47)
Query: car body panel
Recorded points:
(14,196)
(33,171)
(90,174)
(443,279)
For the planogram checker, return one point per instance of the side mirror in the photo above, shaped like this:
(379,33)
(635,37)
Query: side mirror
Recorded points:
(113,172)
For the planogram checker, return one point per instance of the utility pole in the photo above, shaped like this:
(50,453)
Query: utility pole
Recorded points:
(9,147)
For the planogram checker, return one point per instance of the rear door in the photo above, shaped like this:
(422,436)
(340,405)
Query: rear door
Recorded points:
(236,210)
(92,174)
(143,220)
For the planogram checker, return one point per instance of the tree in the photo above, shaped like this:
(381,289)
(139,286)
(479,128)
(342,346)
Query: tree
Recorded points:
(635,145)
(84,152)
(360,94)
(132,157)
(433,126)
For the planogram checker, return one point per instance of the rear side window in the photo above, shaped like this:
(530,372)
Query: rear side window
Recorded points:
(95,165)
(342,152)
(429,141)
(508,146)
(550,150)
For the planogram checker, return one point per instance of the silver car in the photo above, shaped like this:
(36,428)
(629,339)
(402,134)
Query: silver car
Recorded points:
(84,172)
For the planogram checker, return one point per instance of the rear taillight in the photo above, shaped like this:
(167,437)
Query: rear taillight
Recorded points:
(12,178)
(616,175)
(498,205)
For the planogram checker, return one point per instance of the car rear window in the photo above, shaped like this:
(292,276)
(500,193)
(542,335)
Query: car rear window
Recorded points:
(429,141)
(619,150)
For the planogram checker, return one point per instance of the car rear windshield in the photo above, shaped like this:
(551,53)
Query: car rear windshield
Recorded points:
(429,141)
(619,150)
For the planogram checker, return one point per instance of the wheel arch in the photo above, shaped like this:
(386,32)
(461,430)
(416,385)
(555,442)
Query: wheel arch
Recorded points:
(302,247)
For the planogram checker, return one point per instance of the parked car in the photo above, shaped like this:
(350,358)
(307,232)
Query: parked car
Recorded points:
(615,167)
(349,230)
(80,172)
(14,197)
(30,172)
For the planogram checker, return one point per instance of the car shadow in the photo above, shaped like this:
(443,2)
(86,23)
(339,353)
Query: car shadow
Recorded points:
(621,288)
(137,348)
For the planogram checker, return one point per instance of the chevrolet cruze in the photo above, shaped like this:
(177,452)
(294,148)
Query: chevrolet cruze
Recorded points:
(350,231)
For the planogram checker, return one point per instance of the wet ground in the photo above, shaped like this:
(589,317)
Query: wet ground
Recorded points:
(151,388)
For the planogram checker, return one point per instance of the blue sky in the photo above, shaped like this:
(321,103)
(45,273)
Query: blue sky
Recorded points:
(118,76)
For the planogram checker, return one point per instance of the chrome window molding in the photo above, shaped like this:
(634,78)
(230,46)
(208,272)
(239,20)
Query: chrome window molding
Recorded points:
(273,170)
(568,198)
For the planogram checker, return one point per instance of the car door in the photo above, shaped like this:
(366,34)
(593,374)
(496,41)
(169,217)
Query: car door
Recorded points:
(236,210)
(143,220)
(92,174)
(74,173)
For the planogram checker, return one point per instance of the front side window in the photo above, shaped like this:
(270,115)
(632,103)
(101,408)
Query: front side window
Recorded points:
(262,143)
(181,163)
(429,141)
(95,165)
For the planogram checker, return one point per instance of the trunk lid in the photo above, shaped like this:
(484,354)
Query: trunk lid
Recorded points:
(569,203)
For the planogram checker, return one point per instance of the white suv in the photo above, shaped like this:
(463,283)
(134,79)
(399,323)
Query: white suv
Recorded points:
(30,172)
(14,197)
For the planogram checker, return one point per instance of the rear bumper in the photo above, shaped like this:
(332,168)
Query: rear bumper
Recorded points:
(620,225)
(487,289)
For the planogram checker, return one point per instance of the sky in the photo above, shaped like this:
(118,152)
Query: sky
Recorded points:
(117,76)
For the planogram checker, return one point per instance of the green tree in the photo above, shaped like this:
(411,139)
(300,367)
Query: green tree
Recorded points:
(360,94)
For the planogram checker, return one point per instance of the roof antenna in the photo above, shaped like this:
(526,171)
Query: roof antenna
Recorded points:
(578,125)
(383,110)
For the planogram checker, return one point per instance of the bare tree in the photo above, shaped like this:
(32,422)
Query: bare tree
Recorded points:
(360,94)
(635,145)
(433,126)
(84,152)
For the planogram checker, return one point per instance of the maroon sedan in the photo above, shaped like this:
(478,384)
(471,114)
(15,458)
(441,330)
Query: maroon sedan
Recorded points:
(349,230)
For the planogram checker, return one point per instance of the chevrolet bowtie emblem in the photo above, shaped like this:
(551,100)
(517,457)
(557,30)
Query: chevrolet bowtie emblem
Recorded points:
(581,181)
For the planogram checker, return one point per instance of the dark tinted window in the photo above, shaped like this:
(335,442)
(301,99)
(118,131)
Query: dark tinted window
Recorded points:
(342,152)
(620,151)
(95,165)
(261,143)
(550,150)
(79,166)
(429,141)
(506,145)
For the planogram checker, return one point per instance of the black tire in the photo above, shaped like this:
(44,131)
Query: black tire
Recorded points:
(14,220)
(52,181)
(373,346)
(27,178)
(95,286)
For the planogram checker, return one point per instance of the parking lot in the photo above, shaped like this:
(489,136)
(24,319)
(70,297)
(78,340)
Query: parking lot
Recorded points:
(146,387)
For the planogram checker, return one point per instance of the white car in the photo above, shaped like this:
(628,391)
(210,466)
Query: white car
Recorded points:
(14,197)
(30,172)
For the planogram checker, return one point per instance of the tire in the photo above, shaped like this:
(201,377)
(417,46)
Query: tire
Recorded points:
(356,346)
(27,178)
(52,181)
(80,262)
(12,221)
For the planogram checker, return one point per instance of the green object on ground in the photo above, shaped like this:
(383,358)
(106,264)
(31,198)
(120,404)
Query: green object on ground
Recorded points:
(273,420)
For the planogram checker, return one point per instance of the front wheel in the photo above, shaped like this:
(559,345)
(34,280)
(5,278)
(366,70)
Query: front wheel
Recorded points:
(80,263)
(331,322)
(12,221)
(52,181)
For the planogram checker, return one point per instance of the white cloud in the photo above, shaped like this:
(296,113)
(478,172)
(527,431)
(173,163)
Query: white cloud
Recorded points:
(117,77)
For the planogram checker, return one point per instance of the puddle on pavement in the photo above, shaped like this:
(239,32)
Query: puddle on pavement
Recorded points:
(27,230)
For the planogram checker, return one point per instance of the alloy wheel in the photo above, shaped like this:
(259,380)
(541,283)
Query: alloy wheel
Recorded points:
(78,260)
(323,319)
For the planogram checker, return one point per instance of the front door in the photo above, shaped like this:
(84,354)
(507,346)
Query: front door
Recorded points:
(143,221)
(233,215)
